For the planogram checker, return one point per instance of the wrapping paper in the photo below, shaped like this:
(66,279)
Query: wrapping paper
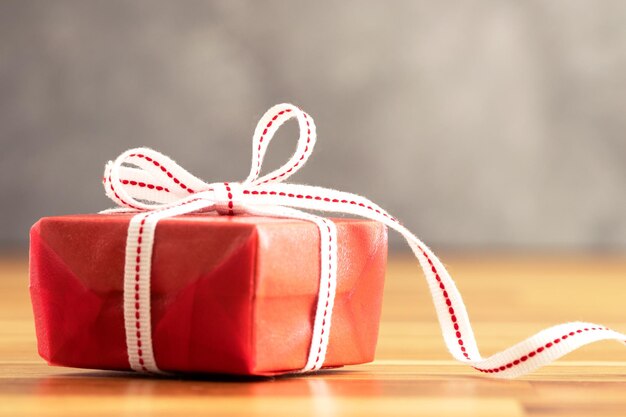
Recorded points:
(229,294)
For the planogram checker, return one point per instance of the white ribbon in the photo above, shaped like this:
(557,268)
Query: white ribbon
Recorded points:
(147,182)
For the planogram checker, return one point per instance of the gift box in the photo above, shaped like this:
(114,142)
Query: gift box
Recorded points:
(239,277)
(229,294)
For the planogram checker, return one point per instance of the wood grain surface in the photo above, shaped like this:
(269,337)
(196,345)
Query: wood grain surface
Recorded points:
(508,297)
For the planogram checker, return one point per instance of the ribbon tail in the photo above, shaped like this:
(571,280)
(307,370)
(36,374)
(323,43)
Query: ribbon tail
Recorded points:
(520,359)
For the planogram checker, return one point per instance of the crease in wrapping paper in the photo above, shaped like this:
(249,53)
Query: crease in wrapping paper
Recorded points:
(229,294)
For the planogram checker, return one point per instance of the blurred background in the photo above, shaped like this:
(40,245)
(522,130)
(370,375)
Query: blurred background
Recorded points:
(481,125)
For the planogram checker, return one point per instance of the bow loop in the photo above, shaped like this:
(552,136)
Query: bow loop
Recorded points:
(263,135)
(144,179)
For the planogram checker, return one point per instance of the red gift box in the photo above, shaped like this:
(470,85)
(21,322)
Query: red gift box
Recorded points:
(238,294)
(229,294)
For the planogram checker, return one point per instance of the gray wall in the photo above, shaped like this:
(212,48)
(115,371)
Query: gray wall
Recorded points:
(485,123)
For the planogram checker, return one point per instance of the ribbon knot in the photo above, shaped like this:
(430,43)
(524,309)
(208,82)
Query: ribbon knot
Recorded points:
(228,196)
(154,187)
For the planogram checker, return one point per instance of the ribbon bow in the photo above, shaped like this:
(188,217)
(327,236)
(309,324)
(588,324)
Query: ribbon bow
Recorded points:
(156,187)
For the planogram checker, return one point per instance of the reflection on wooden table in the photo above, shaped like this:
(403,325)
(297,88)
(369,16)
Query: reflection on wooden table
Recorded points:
(508,297)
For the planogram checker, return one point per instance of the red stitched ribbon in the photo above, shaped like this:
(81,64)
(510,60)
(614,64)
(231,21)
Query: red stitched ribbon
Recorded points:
(147,182)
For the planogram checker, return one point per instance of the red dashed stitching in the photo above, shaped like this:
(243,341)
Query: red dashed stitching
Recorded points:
(120,198)
(258,163)
(330,258)
(319,198)
(537,351)
(137,305)
(230,199)
(453,318)
(145,185)
(165,170)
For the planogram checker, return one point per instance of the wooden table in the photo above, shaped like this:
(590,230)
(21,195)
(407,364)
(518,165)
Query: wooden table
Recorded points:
(509,297)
